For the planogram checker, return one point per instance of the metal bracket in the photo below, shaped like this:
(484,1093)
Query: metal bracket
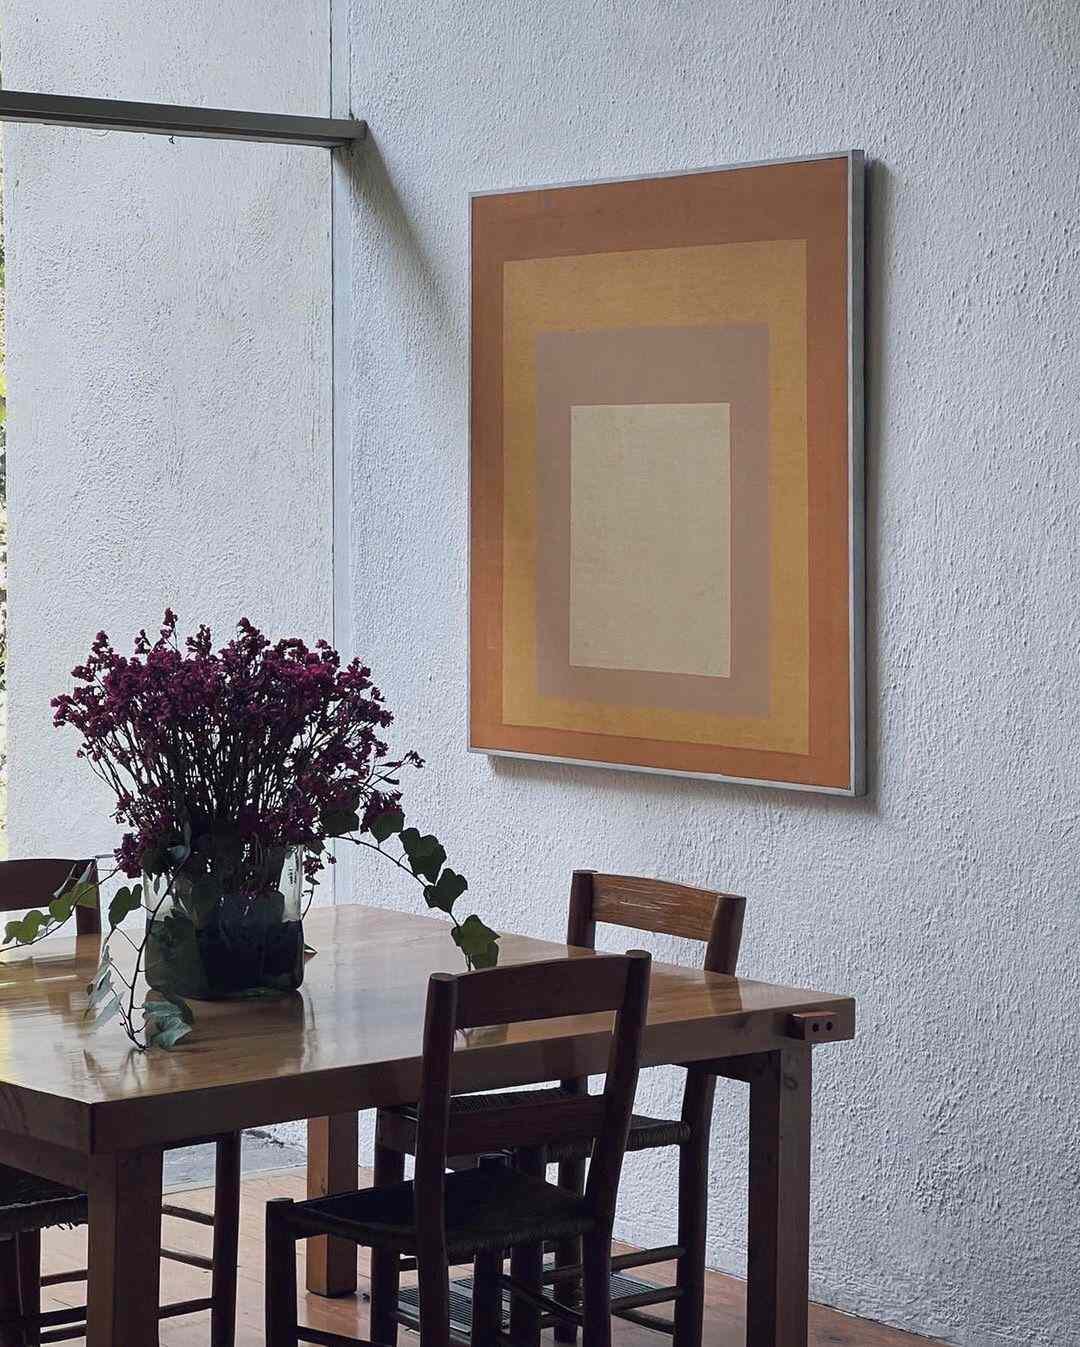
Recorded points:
(167,119)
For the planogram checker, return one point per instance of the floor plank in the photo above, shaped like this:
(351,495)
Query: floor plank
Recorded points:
(66,1249)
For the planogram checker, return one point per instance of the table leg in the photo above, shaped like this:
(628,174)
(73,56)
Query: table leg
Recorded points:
(777,1292)
(124,1249)
(333,1159)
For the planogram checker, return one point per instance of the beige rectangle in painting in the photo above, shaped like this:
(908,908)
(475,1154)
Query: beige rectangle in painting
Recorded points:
(650,568)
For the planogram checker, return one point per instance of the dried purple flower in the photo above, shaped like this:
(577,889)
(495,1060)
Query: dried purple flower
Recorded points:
(273,741)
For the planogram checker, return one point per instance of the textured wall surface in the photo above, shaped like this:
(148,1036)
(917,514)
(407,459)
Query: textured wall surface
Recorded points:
(168,413)
(169,330)
(947,1151)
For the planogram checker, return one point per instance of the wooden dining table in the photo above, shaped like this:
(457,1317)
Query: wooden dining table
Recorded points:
(79,1105)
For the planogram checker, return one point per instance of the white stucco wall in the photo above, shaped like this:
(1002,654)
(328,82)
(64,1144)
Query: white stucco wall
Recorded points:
(168,337)
(947,1150)
(169,418)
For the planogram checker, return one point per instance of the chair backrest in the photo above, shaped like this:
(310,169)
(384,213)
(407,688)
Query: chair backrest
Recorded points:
(512,995)
(36,882)
(655,905)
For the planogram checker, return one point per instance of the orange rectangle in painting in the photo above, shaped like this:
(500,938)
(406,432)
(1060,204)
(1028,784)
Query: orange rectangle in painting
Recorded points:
(666,474)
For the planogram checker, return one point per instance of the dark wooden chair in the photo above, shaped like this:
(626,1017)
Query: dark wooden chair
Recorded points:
(29,1205)
(439,1219)
(643,905)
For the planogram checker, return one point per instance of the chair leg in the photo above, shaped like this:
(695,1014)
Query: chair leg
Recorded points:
(568,1251)
(28,1256)
(9,1291)
(226,1241)
(486,1298)
(385,1264)
(527,1264)
(433,1285)
(281,1308)
(596,1290)
(693,1221)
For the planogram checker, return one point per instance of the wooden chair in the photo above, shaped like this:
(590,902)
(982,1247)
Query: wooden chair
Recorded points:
(437,1218)
(644,905)
(29,1204)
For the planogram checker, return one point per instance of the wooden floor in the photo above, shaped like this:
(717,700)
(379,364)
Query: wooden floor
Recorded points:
(67,1249)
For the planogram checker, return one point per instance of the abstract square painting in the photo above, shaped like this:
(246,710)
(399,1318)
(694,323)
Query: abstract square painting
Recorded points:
(667,477)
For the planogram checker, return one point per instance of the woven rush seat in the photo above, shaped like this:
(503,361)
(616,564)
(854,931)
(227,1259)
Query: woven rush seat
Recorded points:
(31,1203)
(645,1133)
(488,1208)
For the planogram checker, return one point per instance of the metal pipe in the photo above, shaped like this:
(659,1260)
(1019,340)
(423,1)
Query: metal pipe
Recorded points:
(167,119)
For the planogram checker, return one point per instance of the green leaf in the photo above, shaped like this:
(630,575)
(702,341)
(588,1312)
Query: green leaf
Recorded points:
(100,990)
(410,840)
(206,893)
(338,822)
(125,901)
(168,1019)
(164,1005)
(448,889)
(386,825)
(80,892)
(84,894)
(25,930)
(166,1034)
(425,854)
(61,908)
(109,1011)
(103,973)
(32,924)
(479,943)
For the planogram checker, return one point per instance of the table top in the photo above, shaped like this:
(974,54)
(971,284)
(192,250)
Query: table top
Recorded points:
(349,1039)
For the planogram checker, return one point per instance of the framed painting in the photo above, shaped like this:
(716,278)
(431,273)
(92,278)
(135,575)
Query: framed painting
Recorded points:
(667,474)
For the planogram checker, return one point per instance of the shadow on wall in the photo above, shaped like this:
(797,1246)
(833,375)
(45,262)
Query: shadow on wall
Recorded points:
(373,190)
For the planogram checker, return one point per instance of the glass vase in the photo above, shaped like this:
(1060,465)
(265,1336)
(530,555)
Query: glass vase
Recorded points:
(227,933)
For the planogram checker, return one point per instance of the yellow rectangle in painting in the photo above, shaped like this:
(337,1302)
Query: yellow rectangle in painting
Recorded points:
(676,287)
(650,538)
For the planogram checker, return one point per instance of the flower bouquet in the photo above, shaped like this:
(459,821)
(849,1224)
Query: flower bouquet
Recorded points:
(233,771)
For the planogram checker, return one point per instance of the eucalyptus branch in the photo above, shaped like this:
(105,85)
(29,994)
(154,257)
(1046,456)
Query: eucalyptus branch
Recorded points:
(36,925)
(405,869)
(166,1019)
(424,860)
